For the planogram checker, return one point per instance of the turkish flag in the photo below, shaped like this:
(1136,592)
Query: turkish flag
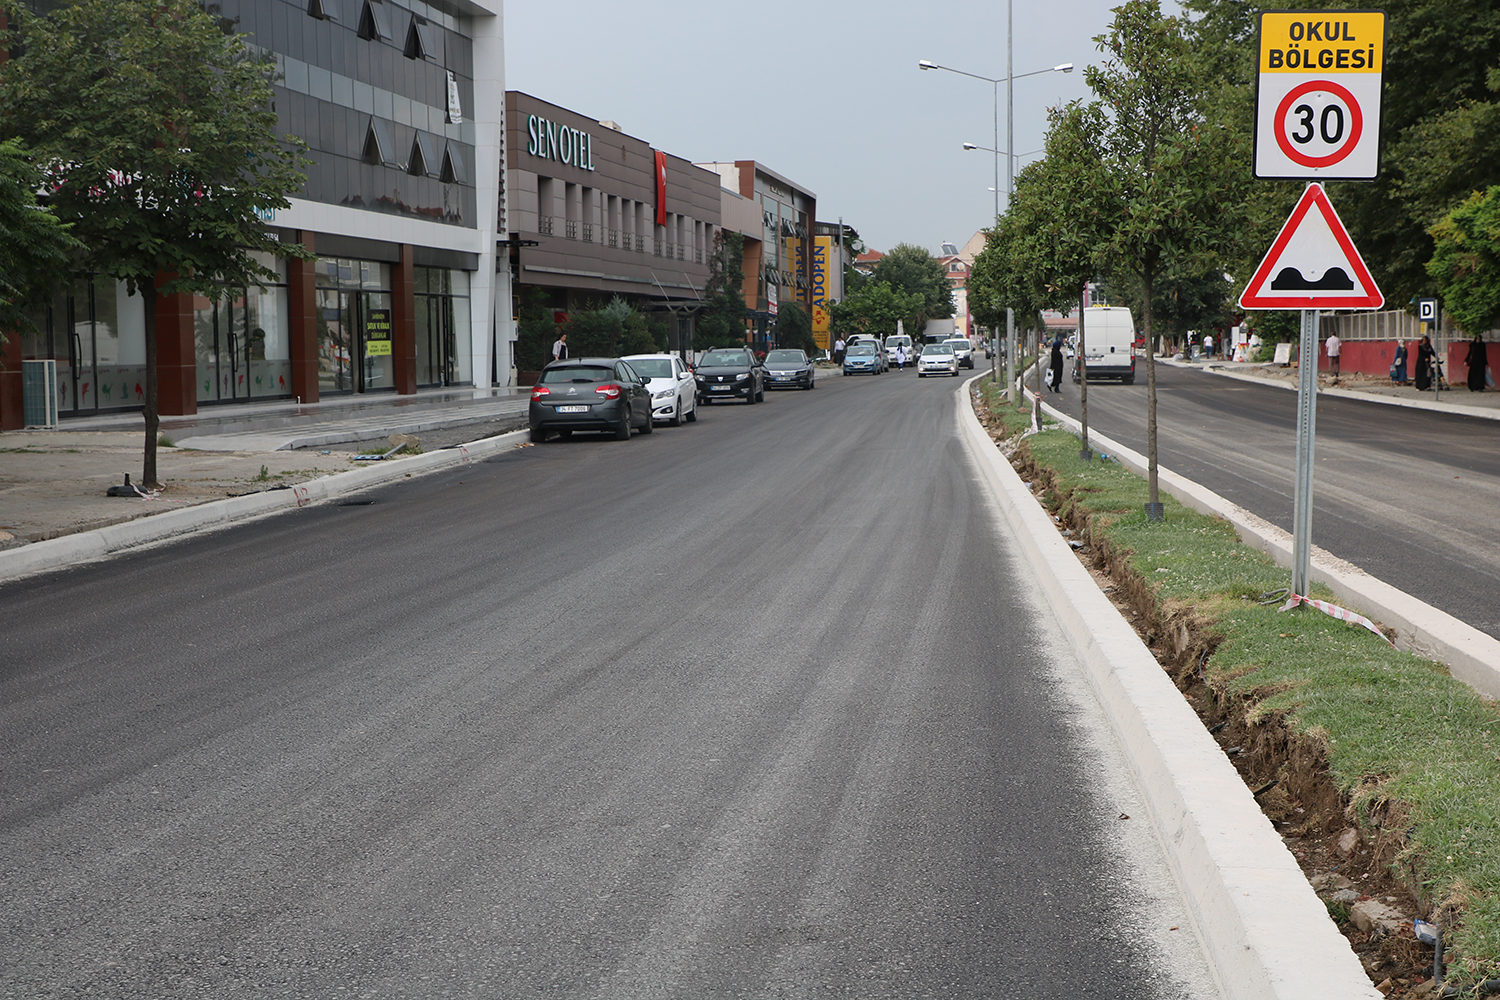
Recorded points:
(661,187)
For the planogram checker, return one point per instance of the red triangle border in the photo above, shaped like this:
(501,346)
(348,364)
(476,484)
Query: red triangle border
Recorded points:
(1255,297)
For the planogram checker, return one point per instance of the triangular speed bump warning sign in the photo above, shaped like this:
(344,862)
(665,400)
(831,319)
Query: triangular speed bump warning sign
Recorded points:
(1312,264)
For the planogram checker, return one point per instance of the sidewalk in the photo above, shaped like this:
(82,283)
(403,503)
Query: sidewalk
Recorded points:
(1355,385)
(53,482)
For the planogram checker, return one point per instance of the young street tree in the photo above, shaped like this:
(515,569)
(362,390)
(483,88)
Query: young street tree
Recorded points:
(722,321)
(1167,171)
(1466,261)
(157,134)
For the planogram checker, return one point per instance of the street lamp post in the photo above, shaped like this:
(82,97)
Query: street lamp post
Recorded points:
(1010,158)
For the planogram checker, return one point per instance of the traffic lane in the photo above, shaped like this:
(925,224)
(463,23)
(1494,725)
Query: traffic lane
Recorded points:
(551,725)
(1398,492)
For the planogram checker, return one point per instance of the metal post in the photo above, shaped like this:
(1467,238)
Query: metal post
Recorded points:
(1010,357)
(1307,414)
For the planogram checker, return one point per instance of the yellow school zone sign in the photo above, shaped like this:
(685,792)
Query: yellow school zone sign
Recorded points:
(1317,99)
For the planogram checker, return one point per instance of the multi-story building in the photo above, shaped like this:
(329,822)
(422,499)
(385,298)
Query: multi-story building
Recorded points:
(776,217)
(597,213)
(400,104)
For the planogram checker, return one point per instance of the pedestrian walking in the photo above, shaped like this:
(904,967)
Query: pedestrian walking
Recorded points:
(1398,365)
(560,347)
(1333,345)
(1425,357)
(1057,364)
(1478,362)
(901,357)
(1208,345)
(838,352)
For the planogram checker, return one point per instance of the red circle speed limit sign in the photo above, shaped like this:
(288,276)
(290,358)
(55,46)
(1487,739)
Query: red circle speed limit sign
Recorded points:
(1318,123)
(1317,96)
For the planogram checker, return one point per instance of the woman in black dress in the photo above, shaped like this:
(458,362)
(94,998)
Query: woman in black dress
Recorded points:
(1424,364)
(1476,361)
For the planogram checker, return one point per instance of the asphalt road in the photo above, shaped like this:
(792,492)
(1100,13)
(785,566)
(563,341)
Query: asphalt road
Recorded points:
(1410,496)
(757,707)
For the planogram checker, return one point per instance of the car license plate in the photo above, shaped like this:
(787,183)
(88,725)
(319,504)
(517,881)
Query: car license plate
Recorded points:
(720,388)
(573,409)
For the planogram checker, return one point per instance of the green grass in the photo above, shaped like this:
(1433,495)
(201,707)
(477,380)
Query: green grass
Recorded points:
(163,441)
(1405,741)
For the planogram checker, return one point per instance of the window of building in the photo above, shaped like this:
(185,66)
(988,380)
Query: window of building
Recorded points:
(323,10)
(372,21)
(421,42)
(443,330)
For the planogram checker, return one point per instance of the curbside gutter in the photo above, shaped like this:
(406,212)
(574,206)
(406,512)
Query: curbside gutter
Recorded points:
(1266,933)
(54,553)
(1471,656)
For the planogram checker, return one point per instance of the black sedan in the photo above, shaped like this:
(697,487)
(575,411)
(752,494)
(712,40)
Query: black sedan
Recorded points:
(589,394)
(788,369)
(731,373)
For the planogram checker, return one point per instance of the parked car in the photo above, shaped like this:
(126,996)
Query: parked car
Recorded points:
(864,358)
(937,359)
(674,391)
(589,394)
(731,373)
(789,369)
(1109,342)
(962,350)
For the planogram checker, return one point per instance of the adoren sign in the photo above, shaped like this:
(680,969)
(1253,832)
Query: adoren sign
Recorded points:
(1313,264)
(1317,98)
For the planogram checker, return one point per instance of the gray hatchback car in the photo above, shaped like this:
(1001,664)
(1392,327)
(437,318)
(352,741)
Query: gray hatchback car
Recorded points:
(589,394)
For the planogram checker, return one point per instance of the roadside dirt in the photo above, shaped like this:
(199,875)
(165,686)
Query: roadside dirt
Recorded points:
(1286,771)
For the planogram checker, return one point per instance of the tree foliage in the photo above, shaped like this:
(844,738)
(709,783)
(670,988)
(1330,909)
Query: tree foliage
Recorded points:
(912,271)
(722,321)
(794,328)
(35,249)
(158,138)
(1466,262)
(874,308)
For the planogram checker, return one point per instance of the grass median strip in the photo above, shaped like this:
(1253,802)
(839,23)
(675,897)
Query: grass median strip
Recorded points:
(1354,733)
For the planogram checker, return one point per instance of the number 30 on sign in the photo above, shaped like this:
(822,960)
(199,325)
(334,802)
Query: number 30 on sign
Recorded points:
(1317,113)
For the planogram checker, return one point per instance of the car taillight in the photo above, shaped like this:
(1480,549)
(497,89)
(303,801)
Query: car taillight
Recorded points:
(537,392)
(608,391)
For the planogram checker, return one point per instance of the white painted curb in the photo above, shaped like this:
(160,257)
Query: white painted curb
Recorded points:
(1471,656)
(1266,932)
(54,553)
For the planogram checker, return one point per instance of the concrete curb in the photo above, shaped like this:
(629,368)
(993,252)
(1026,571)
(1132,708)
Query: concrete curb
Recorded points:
(1266,932)
(1471,656)
(39,557)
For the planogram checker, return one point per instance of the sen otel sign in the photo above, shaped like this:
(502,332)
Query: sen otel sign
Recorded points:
(1317,96)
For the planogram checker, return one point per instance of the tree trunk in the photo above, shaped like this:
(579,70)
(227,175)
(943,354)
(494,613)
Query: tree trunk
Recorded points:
(1083,374)
(153,421)
(1153,494)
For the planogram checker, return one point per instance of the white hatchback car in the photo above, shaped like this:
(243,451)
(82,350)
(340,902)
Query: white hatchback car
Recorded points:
(674,391)
(937,359)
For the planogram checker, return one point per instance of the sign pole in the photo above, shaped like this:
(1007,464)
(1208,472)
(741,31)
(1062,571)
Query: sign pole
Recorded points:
(1010,359)
(1307,415)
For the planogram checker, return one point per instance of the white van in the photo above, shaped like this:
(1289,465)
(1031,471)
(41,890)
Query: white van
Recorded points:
(894,341)
(1109,343)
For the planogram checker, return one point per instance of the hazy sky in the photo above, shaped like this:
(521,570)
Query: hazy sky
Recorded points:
(826,93)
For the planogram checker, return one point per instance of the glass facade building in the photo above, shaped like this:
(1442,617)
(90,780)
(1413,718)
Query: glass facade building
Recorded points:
(400,104)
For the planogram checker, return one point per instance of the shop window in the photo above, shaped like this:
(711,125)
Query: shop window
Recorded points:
(420,41)
(423,161)
(372,21)
(378,149)
(323,10)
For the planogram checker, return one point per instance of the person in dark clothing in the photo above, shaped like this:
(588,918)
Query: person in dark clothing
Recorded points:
(1057,363)
(1477,359)
(1425,357)
(1398,366)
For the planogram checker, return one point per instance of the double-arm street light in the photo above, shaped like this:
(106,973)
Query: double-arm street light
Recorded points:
(1010,131)
(1010,159)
